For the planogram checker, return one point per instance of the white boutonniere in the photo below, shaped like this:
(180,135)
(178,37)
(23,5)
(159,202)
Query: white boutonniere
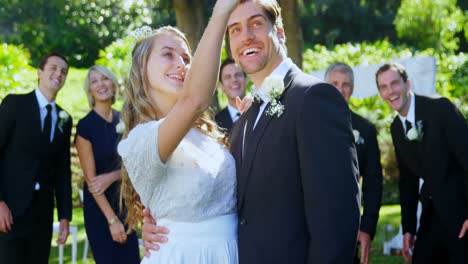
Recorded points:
(63,118)
(273,87)
(120,127)
(357,137)
(416,133)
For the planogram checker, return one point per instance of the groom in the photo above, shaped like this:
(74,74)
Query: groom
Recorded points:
(34,167)
(296,162)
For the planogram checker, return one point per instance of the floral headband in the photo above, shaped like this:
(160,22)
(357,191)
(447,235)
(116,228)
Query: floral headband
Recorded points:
(141,33)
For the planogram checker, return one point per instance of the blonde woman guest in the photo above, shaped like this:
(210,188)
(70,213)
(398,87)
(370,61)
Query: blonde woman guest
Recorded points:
(175,158)
(97,136)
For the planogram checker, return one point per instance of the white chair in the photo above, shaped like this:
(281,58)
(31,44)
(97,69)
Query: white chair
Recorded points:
(85,250)
(74,234)
(86,242)
(396,243)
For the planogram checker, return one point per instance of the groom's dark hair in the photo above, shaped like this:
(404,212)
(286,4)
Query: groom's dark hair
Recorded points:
(225,63)
(51,54)
(271,8)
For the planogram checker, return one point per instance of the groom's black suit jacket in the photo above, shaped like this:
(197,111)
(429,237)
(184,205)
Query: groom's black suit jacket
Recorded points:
(371,171)
(441,159)
(298,198)
(25,157)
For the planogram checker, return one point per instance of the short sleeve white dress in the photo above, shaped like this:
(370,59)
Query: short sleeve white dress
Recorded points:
(193,194)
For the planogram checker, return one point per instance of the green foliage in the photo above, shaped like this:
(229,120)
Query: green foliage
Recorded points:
(16,74)
(76,28)
(430,24)
(466,25)
(330,22)
(451,82)
(117,57)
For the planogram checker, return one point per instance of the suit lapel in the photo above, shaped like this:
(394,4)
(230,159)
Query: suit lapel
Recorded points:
(235,140)
(255,139)
(420,116)
(36,129)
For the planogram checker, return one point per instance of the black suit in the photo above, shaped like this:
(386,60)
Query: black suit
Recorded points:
(25,158)
(371,171)
(224,120)
(298,199)
(441,159)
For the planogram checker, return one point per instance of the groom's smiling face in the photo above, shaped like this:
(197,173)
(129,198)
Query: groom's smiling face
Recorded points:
(256,45)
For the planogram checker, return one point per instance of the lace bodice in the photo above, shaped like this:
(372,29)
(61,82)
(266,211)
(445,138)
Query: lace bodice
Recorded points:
(197,182)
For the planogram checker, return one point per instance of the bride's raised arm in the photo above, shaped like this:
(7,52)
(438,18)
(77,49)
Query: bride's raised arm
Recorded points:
(199,84)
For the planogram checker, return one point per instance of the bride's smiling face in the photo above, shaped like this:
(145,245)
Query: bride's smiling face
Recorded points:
(167,64)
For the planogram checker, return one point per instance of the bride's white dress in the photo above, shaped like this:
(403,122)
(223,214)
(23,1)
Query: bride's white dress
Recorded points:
(193,194)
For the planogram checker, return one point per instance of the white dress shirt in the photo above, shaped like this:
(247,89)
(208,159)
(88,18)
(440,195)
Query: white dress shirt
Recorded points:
(411,117)
(233,112)
(280,71)
(43,102)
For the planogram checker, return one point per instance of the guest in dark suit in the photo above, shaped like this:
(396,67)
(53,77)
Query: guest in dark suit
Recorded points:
(233,82)
(365,139)
(297,191)
(430,139)
(97,136)
(34,167)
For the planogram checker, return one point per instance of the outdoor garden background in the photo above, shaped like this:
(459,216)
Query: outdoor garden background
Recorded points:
(319,32)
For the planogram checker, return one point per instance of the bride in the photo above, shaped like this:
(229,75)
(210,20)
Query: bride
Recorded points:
(175,159)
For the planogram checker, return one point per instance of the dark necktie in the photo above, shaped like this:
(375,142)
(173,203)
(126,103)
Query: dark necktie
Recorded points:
(236,117)
(251,118)
(47,124)
(408,126)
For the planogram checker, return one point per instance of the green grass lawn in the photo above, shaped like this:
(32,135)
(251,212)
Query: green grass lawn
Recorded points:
(389,216)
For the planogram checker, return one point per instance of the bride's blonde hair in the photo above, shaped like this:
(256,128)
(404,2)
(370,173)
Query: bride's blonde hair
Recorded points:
(138,109)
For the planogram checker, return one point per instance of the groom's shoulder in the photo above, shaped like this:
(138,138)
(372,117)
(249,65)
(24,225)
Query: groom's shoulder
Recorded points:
(308,86)
(305,80)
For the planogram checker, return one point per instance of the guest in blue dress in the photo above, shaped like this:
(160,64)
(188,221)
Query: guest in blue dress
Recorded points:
(97,136)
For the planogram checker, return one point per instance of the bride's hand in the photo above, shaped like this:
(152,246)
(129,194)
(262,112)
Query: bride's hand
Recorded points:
(244,104)
(225,6)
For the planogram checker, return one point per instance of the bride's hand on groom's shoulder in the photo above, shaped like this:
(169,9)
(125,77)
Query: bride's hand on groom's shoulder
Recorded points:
(151,233)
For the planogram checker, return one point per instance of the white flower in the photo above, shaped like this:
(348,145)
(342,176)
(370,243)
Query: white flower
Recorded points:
(412,134)
(357,137)
(120,127)
(63,117)
(416,133)
(275,108)
(273,87)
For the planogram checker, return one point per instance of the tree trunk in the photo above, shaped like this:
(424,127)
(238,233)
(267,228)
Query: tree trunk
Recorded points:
(293,30)
(190,16)
(191,19)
